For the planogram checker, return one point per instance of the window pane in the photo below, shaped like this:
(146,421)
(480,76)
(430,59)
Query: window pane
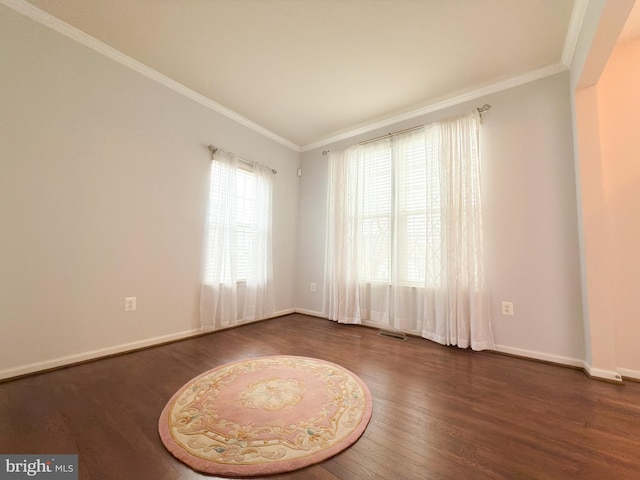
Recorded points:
(247,204)
(232,222)
(376,197)
(396,199)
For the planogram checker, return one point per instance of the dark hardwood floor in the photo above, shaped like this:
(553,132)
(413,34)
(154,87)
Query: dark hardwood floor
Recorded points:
(439,412)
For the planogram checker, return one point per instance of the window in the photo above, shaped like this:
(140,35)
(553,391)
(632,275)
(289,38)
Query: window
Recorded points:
(233,226)
(238,246)
(375,233)
(400,176)
(247,205)
(404,234)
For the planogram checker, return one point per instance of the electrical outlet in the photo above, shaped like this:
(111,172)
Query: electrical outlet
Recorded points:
(129,304)
(507,308)
(313,286)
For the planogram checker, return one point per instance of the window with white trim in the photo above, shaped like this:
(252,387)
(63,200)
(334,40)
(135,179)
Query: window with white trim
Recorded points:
(398,188)
(233,226)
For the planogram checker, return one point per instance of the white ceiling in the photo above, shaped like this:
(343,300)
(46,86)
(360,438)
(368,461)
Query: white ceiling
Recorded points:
(308,70)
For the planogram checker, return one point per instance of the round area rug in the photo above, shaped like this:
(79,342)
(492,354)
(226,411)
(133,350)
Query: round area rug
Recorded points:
(265,415)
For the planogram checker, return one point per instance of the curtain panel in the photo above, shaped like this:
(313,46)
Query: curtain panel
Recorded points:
(404,234)
(238,266)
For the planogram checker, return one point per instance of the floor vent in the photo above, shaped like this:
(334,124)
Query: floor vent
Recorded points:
(393,334)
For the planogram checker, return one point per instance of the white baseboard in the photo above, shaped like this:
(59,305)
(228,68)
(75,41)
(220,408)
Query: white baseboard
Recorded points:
(282,313)
(628,373)
(105,352)
(312,313)
(597,373)
(610,375)
(94,354)
(559,359)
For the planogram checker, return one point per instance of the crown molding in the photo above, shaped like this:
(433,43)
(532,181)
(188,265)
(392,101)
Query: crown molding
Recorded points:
(573,32)
(54,23)
(440,105)
(93,43)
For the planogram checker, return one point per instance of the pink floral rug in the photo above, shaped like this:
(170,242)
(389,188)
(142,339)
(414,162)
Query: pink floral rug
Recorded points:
(266,415)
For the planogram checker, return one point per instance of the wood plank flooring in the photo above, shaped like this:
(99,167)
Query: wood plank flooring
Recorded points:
(439,412)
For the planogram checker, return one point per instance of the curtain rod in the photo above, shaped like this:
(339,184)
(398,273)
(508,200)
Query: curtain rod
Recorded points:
(483,109)
(213,150)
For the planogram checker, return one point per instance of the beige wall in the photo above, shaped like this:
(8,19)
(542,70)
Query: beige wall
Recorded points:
(619,108)
(103,192)
(597,268)
(604,76)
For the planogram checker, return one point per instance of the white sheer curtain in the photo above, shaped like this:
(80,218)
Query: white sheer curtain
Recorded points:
(404,235)
(238,268)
